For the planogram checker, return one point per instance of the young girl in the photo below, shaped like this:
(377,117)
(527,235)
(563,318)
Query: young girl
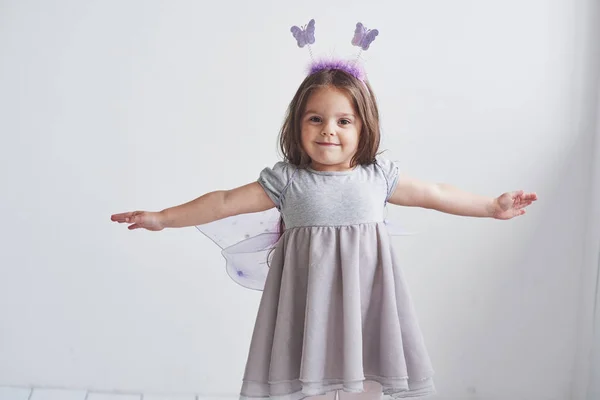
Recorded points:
(335,315)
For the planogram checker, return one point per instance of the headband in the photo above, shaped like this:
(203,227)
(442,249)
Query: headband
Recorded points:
(363,37)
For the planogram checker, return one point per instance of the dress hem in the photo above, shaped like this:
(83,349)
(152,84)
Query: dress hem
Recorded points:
(419,388)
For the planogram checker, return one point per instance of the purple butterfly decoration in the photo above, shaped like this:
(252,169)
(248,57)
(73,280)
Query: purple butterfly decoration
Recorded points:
(304,35)
(363,37)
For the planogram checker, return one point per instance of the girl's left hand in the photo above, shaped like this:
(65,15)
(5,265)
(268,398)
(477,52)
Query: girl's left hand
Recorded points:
(512,204)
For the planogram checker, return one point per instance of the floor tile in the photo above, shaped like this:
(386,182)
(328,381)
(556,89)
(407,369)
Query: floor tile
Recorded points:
(58,394)
(8,393)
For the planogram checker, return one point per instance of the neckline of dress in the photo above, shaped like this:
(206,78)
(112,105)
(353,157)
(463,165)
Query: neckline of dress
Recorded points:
(347,172)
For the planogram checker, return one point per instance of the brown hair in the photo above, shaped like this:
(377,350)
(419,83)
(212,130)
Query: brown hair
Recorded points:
(364,103)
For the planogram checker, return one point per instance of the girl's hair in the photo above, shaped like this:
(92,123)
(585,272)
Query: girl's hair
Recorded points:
(364,103)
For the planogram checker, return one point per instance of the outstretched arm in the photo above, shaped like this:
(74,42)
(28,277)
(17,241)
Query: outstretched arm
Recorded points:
(218,205)
(207,208)
(412,192)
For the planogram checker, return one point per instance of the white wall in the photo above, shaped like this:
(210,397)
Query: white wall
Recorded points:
(588,364)
(109,106)
(587,376)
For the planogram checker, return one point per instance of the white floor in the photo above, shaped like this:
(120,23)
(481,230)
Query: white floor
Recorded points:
(9,393)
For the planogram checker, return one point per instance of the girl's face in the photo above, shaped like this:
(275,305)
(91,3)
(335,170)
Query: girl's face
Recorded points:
(329,130)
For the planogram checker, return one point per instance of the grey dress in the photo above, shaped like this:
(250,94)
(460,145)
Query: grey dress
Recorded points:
(336,310)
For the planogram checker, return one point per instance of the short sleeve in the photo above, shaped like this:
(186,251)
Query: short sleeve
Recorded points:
(275,181)
(391,172)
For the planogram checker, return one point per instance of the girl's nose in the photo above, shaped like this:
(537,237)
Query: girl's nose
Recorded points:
(328,130)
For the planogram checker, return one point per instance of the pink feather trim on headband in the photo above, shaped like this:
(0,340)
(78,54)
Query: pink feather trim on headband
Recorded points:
(350,67)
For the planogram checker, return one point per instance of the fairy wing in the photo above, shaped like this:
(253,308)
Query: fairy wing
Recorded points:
(245,241)
(228,231)
(395,229)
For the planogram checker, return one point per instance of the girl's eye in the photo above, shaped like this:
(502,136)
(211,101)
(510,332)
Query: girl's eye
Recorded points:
(314,119)
(345,121)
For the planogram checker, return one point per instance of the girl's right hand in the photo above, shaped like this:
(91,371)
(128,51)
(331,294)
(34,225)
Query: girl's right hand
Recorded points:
(152,221)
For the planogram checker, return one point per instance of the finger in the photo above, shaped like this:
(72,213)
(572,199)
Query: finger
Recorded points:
(518,194)
(117,217)
(522,205)
(531,196)
(134,226)
(121,217)
(515,214)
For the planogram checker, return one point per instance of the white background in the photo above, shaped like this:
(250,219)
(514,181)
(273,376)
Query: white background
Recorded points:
(110,106)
